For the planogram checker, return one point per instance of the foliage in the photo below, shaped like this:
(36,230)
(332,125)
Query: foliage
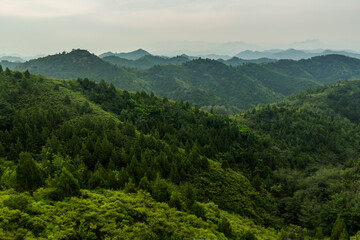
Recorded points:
(292,165)
(208,83)
(28,175)
(339,230)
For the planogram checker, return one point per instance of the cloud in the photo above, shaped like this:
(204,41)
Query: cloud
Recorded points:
(46,8)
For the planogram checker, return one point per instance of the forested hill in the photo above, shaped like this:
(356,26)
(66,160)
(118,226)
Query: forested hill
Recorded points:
(323,69)
(319,136)
(81,63)
(146,61)
(110,163)
(207,83)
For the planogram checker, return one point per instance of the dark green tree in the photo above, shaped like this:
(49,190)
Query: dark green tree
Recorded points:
(18,75)
(225,227)
(1,69)
(189,194)
(144,184)
(319,234)
(27,74)
(28,175)
(7,71)
(339,230)
(130,186)
(176,201)
(67,185)
(67,100)
(160,190)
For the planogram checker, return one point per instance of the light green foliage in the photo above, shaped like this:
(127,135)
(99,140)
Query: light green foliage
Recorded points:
(301,156)
(109,215)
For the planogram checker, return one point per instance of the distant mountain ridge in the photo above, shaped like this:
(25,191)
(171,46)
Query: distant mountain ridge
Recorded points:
(134,55)
(146,61)
(291,53)
(11,59)
(207,83)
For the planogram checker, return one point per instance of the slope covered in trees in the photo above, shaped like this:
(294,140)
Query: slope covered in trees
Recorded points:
(207,83)
(80,63)
(280,171)
(61,137)
(323,69)
(145,61)
(317,133)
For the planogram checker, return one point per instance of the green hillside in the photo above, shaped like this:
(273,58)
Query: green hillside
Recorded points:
(64,142)
(145,61)
(109,163)
(323,69)
(80,63)
(317,134)
(208,83)
(235,61)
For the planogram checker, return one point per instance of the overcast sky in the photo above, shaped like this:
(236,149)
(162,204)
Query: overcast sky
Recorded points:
(30,27)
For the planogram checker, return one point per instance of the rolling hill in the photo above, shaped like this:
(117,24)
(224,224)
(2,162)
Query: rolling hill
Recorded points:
(76,149)
(132,163)
(292,54)
(320,132)
(146,61)
(207,83)
(134,55)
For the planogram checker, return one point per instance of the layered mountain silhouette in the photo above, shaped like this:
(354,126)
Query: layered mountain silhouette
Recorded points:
(208,83)
(292,54)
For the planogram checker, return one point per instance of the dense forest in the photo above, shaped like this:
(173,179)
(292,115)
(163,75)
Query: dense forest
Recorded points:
(208,83)
(84,160)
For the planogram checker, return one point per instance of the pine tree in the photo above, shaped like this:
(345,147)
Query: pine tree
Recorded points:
(144,184)
(174,174)
(160,191)
(175,201)
(67,185)
(189,194)
(26,74)
(7,71)
(225,227)
(28,175)
(130,186)
(319,234)
(339,230)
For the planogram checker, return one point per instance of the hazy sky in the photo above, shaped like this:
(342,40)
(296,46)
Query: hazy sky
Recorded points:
(46,26)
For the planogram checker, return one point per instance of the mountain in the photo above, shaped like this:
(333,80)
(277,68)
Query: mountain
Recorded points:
(81,154)
(145,61)
(8,64)
(11,59)
(81,63)
(205,81)
(81,160)
(323,69)
(208,83)
(250,55)
(235,61)
(292,54)
(214,56)
(319,129)
(129,56)
(344,53)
